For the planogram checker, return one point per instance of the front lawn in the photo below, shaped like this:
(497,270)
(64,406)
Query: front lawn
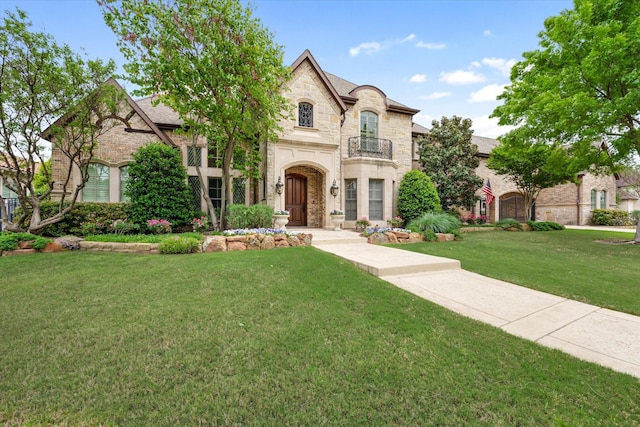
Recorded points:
(283,337)
(568,263)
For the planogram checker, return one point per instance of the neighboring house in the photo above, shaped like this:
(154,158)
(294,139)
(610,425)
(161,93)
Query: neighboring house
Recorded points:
(567,204)
(339,132)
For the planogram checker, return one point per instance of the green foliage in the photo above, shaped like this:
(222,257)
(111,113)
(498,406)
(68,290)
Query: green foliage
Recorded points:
(509,224)
(532,166)
(40,242)
(225,83)
(450,160)
(8,241)
(41,81)
(430,223)
(610,217)
(157,186)
(545,225)
(255,216)
(82,214)
(139,238)
(416,195)
(179,245)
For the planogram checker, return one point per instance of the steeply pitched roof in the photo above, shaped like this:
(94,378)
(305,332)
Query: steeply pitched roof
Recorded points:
(484,144)
(161,114)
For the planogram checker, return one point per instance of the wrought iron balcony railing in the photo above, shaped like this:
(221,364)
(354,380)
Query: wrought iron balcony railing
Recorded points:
(364,146)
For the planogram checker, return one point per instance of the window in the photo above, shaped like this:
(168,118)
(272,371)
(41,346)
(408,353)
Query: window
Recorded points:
(97,187)
(213,159)
(351,199)
(239,191)
(215,192)
(194,188)
(603,199)
(8,194)
(305,115)
(369,131)
(194,156)
(124,177)
(376,187)
(594,199)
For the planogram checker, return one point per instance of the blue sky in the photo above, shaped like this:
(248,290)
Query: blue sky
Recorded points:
(444,57)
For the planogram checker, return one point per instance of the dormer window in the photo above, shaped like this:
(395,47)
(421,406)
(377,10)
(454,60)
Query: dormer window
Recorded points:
(305,115)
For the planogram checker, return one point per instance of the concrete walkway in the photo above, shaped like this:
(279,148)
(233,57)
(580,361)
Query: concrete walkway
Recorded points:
(595,334)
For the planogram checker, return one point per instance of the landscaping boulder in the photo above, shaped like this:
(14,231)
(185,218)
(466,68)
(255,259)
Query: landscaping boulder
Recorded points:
(215,244)
(377,238)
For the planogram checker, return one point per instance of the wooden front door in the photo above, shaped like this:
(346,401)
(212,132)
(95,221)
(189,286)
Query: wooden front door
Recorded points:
(296,200)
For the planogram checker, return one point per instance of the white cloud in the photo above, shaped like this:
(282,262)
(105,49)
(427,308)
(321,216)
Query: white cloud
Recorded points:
(476,64)
(418,78)
(408,38)
(461,77)
(487,93)
(423,119)
(368,48)
(500,64)
(487,33)
(431,45)
(436,95)
(485,126)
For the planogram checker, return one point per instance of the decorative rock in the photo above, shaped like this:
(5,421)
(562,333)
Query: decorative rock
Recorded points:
(377,238)
(53,247)
(305,239)
(282,243)
(415,237)
(293,241)
(236,246)
(215,244)
(268,243)
(19,252)
(391,237)
(401,235)
(278,237)
(253,242)
(236,238)
(25,244)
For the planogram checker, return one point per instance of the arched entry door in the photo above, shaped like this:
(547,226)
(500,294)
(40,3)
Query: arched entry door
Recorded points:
(296,199)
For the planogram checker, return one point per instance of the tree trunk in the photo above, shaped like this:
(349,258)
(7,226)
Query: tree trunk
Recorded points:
(636,238)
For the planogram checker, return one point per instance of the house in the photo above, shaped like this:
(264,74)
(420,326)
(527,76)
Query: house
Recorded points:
(567,204)
(346,139)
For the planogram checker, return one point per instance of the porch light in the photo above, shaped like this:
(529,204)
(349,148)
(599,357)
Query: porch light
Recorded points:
(279,186)
(334,189)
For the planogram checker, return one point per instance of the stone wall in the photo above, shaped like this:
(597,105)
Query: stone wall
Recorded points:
(255,242)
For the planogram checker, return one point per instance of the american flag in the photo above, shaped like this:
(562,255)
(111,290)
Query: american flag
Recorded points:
(486,189)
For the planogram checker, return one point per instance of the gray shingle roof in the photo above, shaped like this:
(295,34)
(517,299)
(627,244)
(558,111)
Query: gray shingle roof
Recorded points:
(484,144)
(160,114)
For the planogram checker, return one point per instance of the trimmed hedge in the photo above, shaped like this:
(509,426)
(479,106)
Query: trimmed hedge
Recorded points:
(610,217)
(416,196)
(82,212)
(255,216)
(544,225)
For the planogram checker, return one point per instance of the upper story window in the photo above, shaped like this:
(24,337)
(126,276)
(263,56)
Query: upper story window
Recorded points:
(194,156)
(594,199)
(305,115)
(214,160)
(368,124)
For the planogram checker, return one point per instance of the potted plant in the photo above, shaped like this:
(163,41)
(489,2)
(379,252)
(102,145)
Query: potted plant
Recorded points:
(337,218)
(280,219)
(362,224)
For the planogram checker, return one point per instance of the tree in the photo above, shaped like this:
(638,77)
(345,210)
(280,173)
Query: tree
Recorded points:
(157,186)
(449,158)
(582,87)
(45,86)
(532,167)
(212,63)
(416,195)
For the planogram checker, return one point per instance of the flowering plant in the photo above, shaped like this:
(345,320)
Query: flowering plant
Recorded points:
(200,224)
(362,223)
(281,212)
(395,222)
(122,226)
(336,212)
(472,219)
(159,226)
(267,231)
(87,228)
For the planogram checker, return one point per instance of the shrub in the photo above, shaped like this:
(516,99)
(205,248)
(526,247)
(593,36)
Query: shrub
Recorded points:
(8,241)
(362,223)
(544,225)
(157,186)
(509,224)
(609,217)
(255,216)
(634,215)
(394,222)
(179,245)
(82,213)
(200,224)
(40,242)
(430,223)
(416,195)
(159,226)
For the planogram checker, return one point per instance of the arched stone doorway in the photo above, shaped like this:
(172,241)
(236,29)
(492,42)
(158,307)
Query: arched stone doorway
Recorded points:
(304,196)
(512,206)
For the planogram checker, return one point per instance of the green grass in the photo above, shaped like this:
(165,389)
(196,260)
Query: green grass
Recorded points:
(284,337)
(568,263)
(139,238)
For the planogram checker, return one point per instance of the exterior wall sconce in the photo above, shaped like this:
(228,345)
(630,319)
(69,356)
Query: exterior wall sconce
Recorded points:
(279,186)
(334,189)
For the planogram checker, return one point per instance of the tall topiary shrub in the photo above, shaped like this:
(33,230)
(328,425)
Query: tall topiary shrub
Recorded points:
(416,195)
(157,186)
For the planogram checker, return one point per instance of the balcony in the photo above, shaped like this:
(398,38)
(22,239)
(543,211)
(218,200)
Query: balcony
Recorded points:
(364,146)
